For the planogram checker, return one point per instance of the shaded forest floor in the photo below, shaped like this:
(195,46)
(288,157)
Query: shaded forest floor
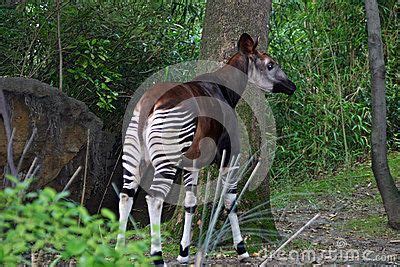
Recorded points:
(352,227)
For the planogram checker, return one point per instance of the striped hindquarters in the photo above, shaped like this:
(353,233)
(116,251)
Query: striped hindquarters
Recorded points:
(169,134)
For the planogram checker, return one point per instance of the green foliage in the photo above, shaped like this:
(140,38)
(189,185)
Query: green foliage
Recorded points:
(109,48)
(326,123)
(341,185)
(91,65)
(44,221)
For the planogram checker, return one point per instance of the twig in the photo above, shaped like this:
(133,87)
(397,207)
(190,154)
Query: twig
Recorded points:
(35,171)
(31,168)
(27,145)
(10,152)
(72,179)
(33,71)
(109,182)
(59,45)
(86,167)
(264,263)
(85,175)
(9,133)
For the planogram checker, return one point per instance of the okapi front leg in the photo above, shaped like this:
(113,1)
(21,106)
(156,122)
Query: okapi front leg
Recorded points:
(125,206)
(131,177)
(238,242)
(190,181)
(126,197)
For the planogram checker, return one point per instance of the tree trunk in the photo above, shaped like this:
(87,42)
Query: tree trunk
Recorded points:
(225,21)
(387,188)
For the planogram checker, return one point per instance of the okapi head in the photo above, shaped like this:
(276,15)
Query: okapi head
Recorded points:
(262,69)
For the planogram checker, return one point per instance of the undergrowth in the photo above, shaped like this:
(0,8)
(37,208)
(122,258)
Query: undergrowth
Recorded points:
(45,222)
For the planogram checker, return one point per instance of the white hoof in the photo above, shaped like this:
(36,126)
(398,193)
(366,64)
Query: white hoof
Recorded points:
(183,260)
(243,256)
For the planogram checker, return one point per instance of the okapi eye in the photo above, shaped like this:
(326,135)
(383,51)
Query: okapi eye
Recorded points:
(270,66)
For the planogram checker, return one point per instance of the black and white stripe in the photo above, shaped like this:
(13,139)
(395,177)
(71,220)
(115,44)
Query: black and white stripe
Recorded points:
(169,134)
(131,157)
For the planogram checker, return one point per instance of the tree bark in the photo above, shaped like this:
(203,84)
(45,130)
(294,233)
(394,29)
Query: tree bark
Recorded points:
(386,185)
(225,21)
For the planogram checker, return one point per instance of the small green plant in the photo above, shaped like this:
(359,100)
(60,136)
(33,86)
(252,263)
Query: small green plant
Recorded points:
(44,221)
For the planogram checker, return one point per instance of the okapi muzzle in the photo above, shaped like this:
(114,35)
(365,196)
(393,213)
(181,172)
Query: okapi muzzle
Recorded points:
(282,84)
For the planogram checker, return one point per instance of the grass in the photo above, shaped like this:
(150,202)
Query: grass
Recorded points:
(371,226)
(340,185)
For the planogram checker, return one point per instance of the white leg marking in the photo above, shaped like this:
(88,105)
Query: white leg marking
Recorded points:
(125,206)
(190,201)
(154,206)
(234,221)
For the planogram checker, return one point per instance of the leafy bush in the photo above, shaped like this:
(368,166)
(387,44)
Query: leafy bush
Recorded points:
(44,221)
(109,48)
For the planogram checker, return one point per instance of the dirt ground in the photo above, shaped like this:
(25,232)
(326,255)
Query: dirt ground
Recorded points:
(350,230)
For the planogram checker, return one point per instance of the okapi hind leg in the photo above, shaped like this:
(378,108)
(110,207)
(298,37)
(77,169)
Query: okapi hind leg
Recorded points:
(169,134)
(190,180)
(238,242)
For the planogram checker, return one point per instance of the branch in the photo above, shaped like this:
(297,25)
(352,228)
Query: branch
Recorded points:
(59,46)
(264,263)
(86,167)
(109,182)
(9,134)
(31,168)
(72,179)
(27,145)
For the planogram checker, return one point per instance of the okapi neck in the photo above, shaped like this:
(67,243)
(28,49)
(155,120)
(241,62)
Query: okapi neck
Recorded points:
(234,75)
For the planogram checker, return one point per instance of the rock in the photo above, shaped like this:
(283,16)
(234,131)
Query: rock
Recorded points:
(60,144)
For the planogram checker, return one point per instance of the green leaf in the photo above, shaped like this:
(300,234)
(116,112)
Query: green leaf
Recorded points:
(75,247)
(12,178)
(49,193)
(108,214)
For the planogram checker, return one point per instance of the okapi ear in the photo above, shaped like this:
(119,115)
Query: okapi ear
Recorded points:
(256,42)
(246,44)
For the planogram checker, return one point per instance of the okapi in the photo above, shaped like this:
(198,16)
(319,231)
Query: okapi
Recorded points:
(165,129)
